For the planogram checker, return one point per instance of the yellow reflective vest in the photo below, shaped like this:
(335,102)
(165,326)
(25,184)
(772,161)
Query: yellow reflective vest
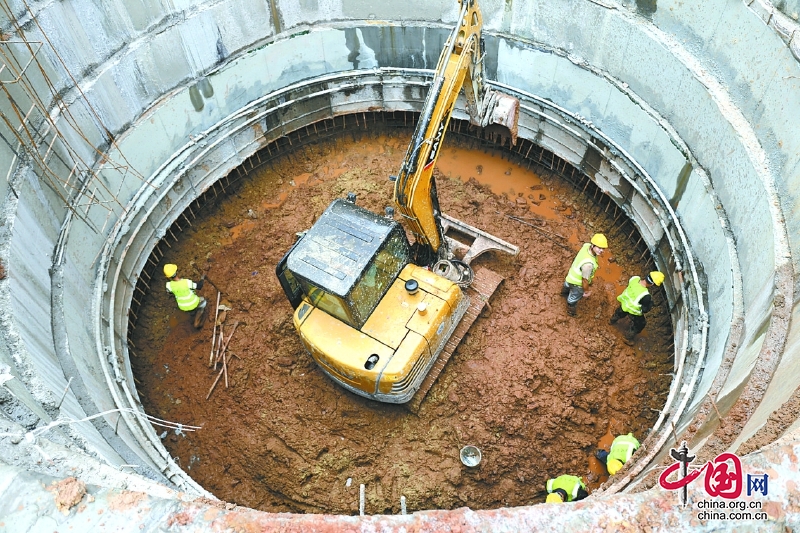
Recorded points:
(569,484)
(631,297)
(183,291)
(574,276)
(623,447)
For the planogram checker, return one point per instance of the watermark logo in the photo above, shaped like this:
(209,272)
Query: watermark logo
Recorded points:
(757,484)
(723,478)
(683,459)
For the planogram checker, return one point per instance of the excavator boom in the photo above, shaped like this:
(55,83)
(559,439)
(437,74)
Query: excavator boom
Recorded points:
(460,65)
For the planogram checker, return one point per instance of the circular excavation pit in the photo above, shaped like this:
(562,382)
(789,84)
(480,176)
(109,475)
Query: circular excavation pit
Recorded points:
(535,390)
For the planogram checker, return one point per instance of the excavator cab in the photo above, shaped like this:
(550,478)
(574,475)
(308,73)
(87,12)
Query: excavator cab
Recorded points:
(371,320)
(346,262)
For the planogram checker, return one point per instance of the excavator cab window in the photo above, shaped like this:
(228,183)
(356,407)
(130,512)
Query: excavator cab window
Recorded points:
(346,261)
(330,303)
(379,275)
(291,287)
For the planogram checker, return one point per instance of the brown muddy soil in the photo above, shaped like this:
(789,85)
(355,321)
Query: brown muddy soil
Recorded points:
(531,387)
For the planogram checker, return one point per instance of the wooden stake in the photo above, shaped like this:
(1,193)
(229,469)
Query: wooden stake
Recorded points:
(220,340)
(714,405)
(225,369)
(225,347)
(214,336)
(214,385)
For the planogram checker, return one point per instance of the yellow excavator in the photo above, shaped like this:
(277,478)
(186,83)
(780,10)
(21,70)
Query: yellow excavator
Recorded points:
(376,313)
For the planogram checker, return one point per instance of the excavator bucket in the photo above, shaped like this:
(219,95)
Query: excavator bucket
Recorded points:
(468,242)
(502,115)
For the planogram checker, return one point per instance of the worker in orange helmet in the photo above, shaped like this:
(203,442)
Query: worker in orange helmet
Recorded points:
(621,450)
(565,488)
(186,298)
(635,301)
(581,273)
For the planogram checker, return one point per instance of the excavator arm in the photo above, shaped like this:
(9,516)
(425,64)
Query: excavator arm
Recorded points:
(460,65)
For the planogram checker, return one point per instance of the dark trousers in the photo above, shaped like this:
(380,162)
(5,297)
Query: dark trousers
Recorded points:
(572,292)
(638,322)
(198,313)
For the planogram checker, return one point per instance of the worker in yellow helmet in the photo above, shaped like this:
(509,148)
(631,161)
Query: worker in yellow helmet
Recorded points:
(621,450)
(565,488)
(187,299)
(581,273)
(635,301)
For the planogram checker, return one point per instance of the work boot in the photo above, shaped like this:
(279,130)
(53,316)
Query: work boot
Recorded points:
(628,337)
(200,316)
(601,455)
(572,310)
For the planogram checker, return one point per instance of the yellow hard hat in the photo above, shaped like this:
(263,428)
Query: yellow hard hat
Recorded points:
(170,270)
(656,278)
(599,240)
(613,466)
(554,497)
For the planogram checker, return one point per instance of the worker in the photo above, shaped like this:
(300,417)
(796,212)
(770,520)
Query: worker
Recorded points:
(581,273)
(621,450)
(183,290)
(635,301)
(565,488)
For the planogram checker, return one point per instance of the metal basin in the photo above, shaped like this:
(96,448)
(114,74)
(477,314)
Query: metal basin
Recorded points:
(470,456)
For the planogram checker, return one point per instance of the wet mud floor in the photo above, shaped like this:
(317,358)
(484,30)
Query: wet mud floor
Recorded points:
(533,388)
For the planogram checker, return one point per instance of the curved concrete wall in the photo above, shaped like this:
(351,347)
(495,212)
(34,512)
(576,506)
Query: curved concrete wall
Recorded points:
(690,108)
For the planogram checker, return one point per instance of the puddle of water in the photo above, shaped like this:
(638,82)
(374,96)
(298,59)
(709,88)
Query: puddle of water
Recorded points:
(595,466)
(606,440)
(238,229)
(266,204)
(502,177)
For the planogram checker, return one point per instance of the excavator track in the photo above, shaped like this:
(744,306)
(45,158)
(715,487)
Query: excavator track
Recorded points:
(481,289)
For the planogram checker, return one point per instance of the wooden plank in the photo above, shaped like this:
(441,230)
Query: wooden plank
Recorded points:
(482,288)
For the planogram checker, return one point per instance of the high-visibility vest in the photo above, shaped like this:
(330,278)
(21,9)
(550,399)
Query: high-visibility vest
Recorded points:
(631,297)
(623,447)
(569,484)
(575,276)
(184,295)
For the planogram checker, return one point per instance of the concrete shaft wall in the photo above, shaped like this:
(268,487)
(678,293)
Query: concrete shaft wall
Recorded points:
(646,511)
(130,111)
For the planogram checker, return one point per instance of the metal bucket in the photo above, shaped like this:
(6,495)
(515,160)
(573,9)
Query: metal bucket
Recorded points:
(470,456)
